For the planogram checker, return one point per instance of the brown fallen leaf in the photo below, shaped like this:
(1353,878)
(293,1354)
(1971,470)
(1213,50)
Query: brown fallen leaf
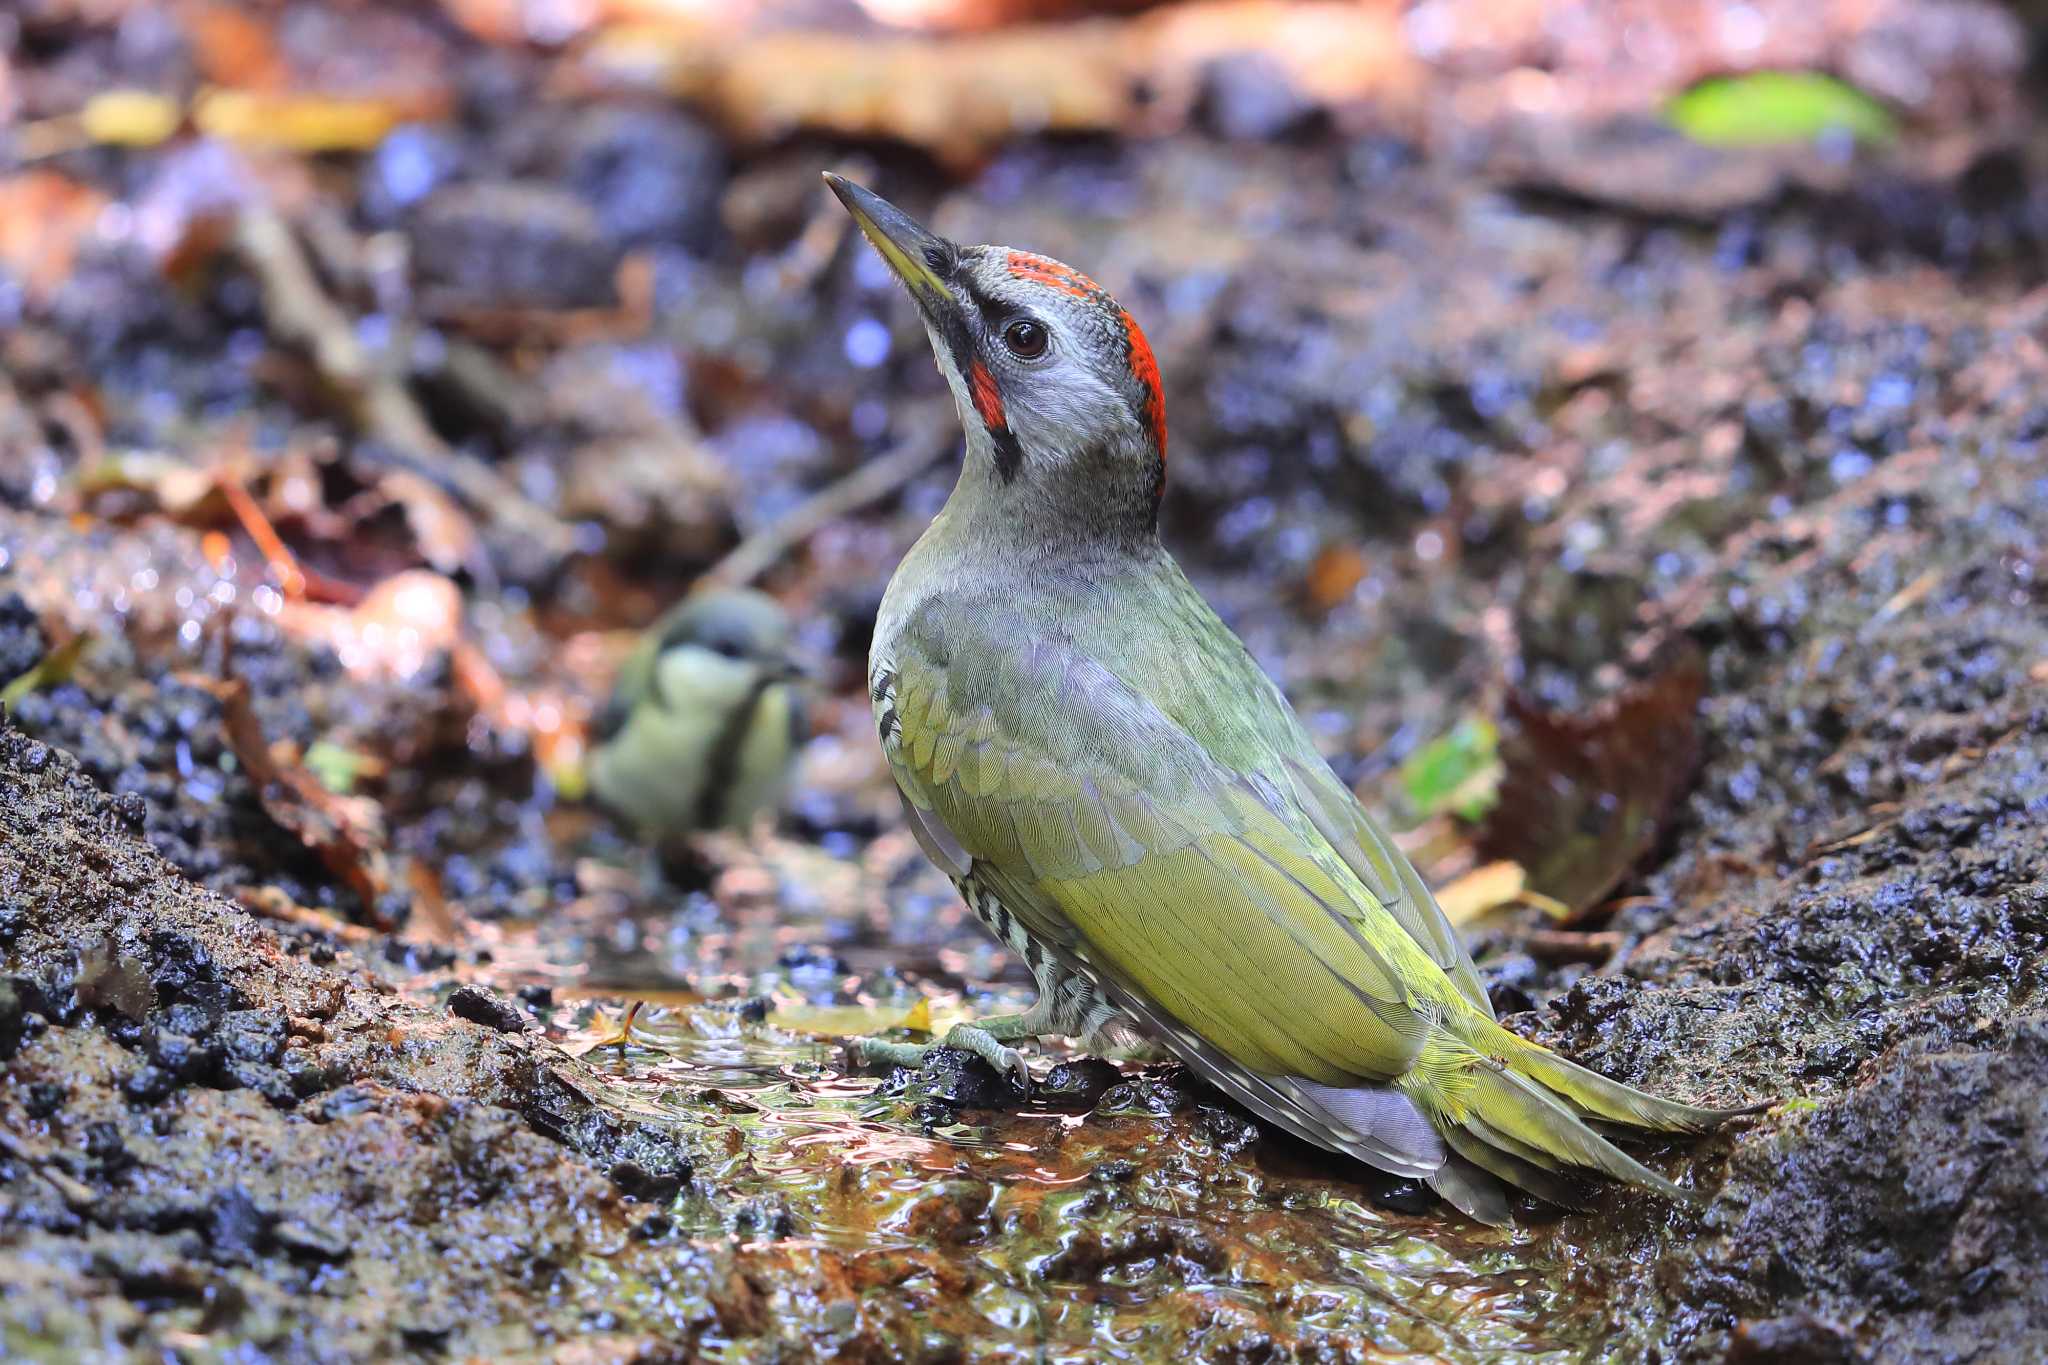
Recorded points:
(110,979)
(130,118)
(446,537)
(179,489)
(232,46)
(955,96)
(1337,54)
(291,120)
(957,15)
(1493,886)
(345,831)
(1335,573)
(1584,796)
(960,94)
(1482,890)
(301,313)
(1570,945)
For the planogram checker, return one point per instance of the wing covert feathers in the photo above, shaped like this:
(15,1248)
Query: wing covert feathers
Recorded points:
(1252,918)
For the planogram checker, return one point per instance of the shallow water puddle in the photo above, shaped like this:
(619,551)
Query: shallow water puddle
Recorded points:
(1069,1237)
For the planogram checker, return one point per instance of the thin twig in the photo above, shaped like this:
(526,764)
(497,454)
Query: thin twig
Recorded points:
(276,554)
(1569,945)
(927,440)
(78,1197)
(268,902)
(300,312)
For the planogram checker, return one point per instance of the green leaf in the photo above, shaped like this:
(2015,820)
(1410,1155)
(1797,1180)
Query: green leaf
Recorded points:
(1457,772)
(337,768)
(55,667)
(1767,108)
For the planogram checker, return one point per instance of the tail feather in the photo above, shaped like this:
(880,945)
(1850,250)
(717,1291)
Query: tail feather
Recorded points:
(1518,1102)
(1471,1190)
(1477,1127)
(1516,1108)
(1516,1113)
(1479,1111)
(1602,1098)
(1545,1182)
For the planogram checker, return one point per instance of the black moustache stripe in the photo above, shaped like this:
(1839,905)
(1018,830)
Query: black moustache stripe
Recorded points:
(960,346)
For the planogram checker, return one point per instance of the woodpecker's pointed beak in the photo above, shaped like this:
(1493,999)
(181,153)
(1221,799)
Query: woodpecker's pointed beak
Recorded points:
(921,259)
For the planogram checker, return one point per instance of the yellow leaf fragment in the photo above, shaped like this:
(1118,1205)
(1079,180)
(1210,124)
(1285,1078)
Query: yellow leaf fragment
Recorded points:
(1482,891)
(297,122)
(131,118)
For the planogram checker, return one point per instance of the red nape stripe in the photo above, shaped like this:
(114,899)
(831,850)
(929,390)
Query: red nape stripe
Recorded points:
(1145,369)
(988,400)
(1045,270)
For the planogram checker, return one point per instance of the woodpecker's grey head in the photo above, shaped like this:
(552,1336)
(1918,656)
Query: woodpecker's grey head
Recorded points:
(1055,383)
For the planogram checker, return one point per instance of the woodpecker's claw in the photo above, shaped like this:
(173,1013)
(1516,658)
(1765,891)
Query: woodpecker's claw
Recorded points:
(1006,1060)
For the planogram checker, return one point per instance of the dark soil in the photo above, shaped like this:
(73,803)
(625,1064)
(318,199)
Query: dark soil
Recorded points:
(217,1131)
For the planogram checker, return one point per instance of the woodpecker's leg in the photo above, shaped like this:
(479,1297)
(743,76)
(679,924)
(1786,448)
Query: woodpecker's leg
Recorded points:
(1116,1041)
(984,1038)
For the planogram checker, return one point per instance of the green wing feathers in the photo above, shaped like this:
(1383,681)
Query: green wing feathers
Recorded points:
(1251,914)
(1229,938)
(1390,877)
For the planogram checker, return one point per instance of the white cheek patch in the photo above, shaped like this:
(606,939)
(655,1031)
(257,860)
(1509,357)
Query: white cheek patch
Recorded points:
(696,677)
(1066,412)
(955,381)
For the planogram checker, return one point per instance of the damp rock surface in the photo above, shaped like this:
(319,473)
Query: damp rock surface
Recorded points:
(342,1174)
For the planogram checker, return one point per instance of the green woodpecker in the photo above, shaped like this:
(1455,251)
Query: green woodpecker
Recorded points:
(705,719)
(1131,806)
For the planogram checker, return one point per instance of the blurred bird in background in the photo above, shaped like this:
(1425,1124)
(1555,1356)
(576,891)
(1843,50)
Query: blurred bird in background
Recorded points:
(1132,807)
(703,726)
(705,720)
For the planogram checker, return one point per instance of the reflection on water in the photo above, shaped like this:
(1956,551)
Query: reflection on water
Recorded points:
(1078,1237)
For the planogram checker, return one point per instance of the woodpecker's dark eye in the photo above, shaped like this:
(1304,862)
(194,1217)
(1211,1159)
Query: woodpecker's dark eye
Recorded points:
(1026,339)
(727,649)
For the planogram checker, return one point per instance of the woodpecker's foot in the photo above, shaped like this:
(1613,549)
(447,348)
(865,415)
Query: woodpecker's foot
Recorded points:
(1007,1061)
(984,1040)
(875,1052)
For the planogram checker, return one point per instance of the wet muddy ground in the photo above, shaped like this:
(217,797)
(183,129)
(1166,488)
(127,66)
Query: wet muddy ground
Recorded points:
(331,479)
